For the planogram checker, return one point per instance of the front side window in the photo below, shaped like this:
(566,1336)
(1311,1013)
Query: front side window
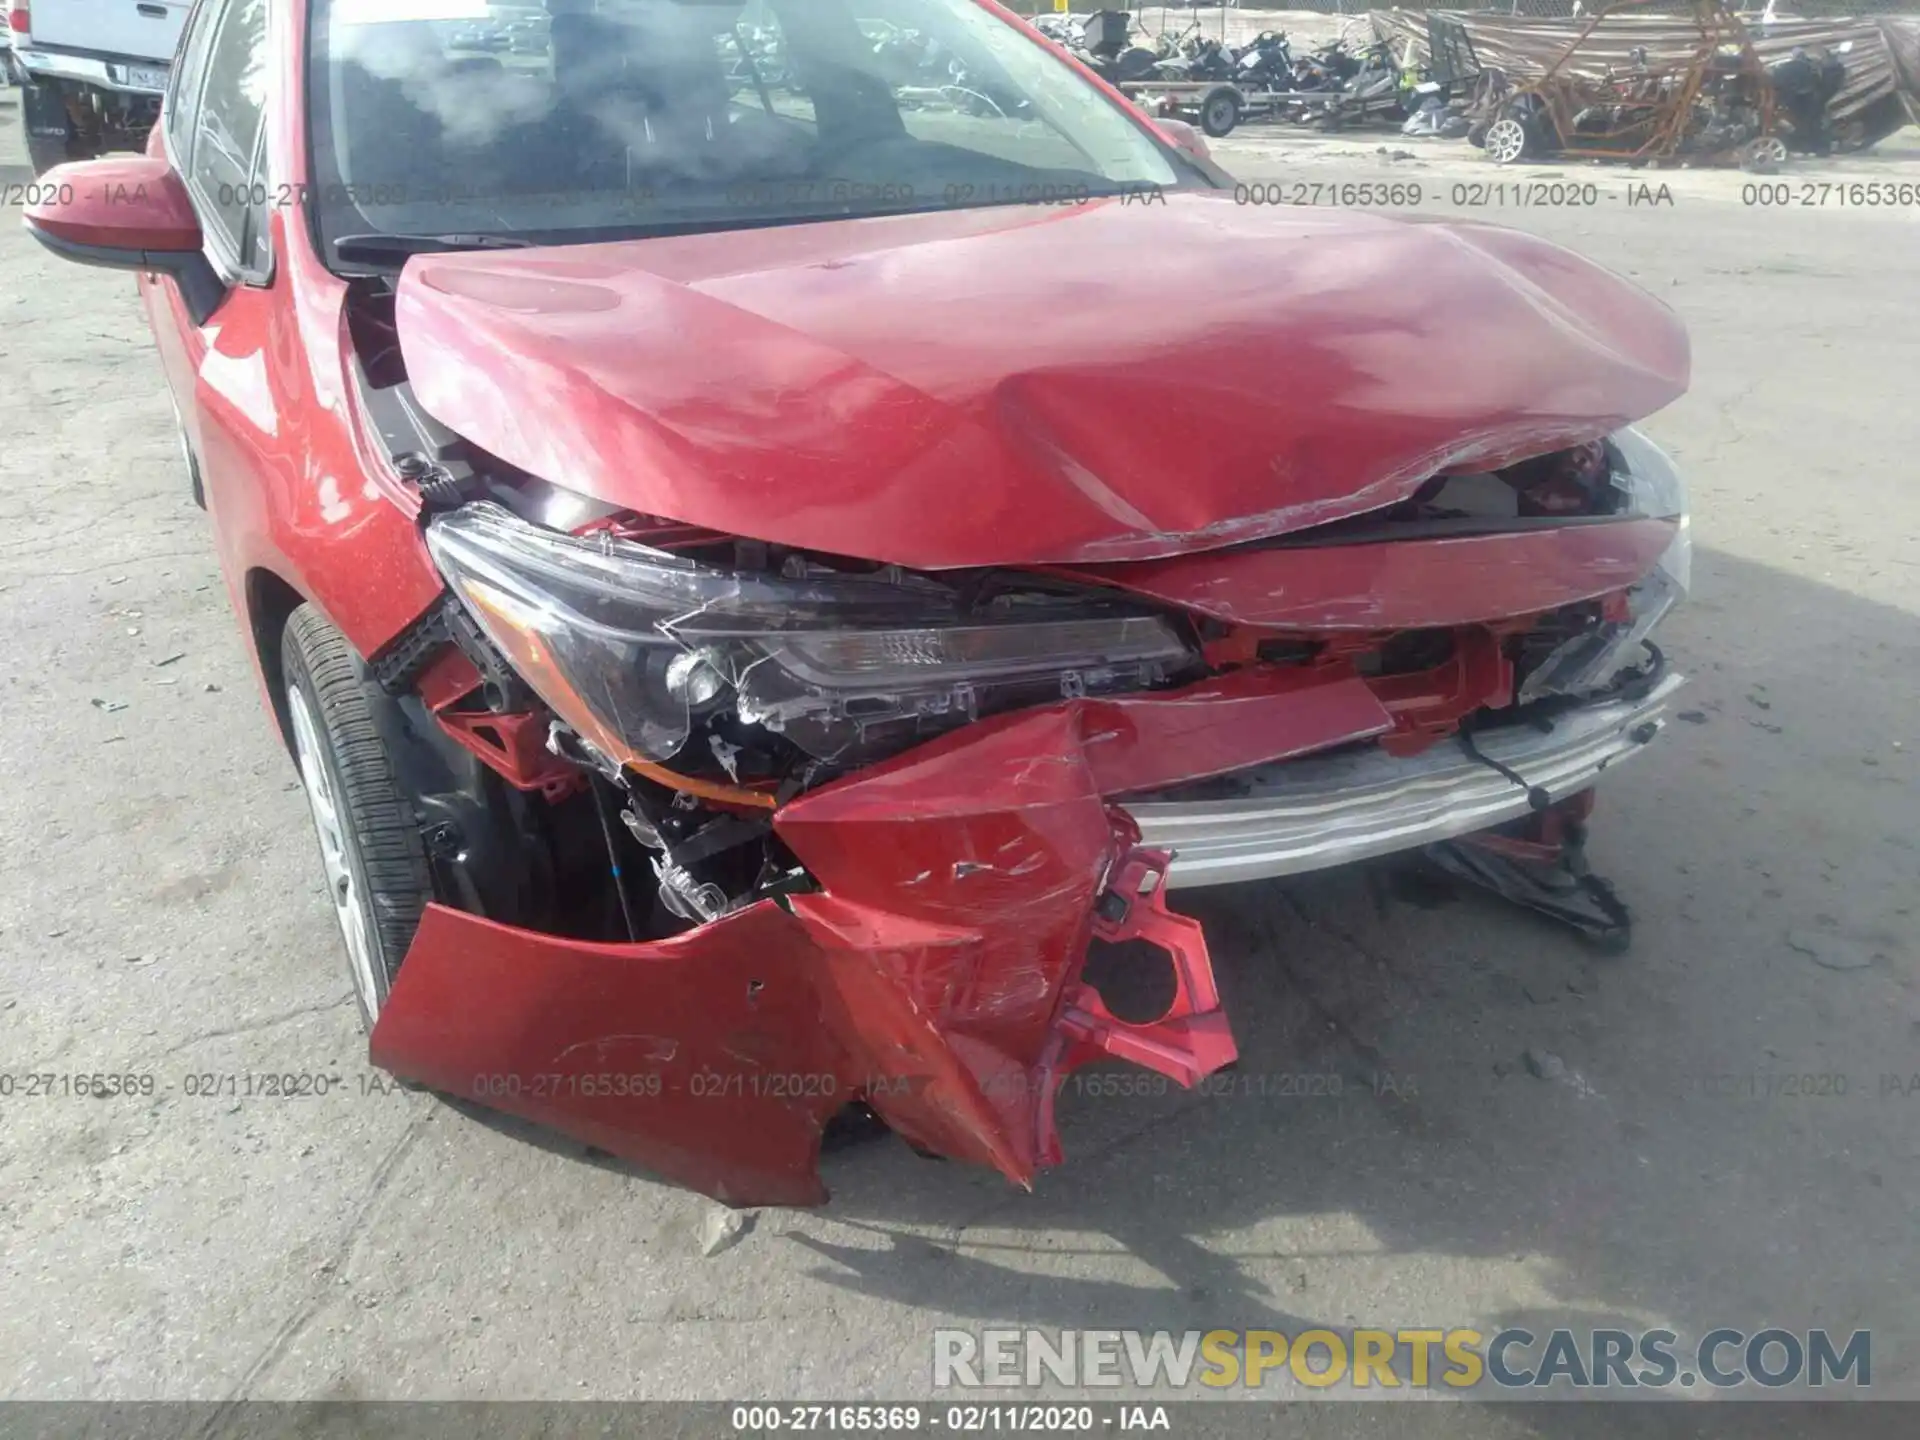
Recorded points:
(183,91)
(227,127)
(591,119)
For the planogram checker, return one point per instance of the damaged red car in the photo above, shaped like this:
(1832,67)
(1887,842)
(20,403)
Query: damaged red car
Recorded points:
(777,531)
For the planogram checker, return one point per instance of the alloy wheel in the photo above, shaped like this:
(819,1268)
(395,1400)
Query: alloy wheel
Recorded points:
(336,851)
(1506,140)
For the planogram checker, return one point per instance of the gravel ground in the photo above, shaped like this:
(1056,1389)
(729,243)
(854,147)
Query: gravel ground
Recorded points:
(161,913)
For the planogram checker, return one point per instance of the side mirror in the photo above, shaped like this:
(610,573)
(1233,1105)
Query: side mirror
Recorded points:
(1184,137)
(125,212)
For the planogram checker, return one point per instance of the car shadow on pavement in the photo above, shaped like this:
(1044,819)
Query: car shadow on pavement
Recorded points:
(1450,1098)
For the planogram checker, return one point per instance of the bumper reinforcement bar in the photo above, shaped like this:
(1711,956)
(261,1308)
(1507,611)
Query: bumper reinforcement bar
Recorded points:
(1317,812)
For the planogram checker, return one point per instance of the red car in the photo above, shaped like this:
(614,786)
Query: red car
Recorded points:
(776,531)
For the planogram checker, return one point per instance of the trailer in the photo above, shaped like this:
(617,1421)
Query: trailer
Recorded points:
(1217,106)
(1378,90)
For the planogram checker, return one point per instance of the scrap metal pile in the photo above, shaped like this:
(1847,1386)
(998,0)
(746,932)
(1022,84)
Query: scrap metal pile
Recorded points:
(1712,102)
(1639,81)
(1700,86)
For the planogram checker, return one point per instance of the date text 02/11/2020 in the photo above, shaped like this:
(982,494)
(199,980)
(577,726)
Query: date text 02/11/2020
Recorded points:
(1012,1418)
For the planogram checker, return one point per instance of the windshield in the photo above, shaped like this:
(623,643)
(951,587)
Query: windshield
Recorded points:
(588,119)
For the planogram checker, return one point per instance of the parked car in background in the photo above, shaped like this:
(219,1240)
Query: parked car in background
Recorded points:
(764,610)
(487,39)
(92,73)
(527,37)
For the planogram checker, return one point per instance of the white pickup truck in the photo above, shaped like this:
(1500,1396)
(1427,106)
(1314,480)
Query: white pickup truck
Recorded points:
(92,71)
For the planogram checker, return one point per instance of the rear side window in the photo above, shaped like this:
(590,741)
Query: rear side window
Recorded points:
(232,114)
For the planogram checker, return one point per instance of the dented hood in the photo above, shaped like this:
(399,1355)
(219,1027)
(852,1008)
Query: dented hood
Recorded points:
(1114,381)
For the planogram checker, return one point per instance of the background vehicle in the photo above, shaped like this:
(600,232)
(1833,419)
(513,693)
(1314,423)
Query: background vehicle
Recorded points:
(93,72)
(487,39)
(1366,87)
(1265,62)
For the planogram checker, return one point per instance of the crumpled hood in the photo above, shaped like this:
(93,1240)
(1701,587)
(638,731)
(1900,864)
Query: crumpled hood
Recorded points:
(1114,381)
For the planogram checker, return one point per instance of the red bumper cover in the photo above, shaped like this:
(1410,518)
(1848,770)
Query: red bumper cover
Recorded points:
(935,974)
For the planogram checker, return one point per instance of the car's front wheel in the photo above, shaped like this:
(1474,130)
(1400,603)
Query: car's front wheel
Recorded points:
(378,878)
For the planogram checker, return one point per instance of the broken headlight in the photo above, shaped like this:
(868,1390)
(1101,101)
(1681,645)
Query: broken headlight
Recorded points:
(633,646)
(1644,484)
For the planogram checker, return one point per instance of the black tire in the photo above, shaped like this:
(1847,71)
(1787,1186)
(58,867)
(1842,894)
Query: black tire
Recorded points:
(46,151)
(1220,113)
(381,851)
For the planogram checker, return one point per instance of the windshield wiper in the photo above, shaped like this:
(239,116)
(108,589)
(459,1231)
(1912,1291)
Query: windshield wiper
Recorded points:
(374,249)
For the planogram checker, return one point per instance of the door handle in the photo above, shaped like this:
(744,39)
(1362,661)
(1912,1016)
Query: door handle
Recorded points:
(153,12)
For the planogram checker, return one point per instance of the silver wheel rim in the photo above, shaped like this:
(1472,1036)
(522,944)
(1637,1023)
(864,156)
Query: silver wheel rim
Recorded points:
(1505,140)
(1772,148)
(180,432)
(335,850)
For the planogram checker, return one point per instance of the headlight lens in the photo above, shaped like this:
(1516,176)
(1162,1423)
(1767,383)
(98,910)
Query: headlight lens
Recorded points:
(630,645)
(1651,488)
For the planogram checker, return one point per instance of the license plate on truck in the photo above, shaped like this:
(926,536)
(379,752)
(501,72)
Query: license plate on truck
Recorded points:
(143,77)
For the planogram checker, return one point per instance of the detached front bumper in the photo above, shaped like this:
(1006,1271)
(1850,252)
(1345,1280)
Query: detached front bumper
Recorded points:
(1321,811)
(937,972)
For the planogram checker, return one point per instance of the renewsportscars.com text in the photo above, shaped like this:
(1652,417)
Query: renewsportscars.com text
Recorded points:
(1457,1359)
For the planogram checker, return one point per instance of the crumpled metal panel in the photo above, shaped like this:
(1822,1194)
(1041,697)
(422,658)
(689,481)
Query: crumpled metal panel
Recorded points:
(935,972)
(1330,362)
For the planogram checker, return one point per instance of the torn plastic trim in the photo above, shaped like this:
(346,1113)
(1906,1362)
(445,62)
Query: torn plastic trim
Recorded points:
(1190,1039)
(1484,563)
(933,974)
(1588,664)
(1649,485)
(701,1057)
(1321,811)
(1409,584)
